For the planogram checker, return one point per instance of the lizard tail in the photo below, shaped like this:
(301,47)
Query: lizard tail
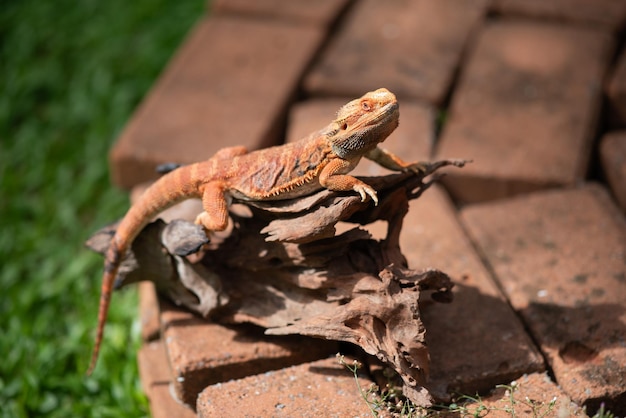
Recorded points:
(112,263)
(170,189)
(136,218)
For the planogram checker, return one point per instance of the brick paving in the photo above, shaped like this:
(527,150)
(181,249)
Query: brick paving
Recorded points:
(532,232)
(203,353)
(156,378)
(400,44)
(613,160)
(512,114)
(479,317)
(616,92)
(319,13)
(606,14)
(559,256)
(321,388)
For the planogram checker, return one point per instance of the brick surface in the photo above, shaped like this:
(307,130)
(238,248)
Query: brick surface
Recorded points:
(320,389)
(156,379)
(560,256)
(530,396)
(410,47)
(616,91)
(218,91)
(613,155)
(412,140)
(525,110)
(203,353)
(476,342)
(610,14)
(320,12)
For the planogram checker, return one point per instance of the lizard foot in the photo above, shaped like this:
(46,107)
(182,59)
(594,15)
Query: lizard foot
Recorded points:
(365,190)
(415,168)
(209,224)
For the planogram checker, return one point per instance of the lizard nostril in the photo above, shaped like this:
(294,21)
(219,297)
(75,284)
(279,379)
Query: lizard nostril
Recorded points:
(344,126)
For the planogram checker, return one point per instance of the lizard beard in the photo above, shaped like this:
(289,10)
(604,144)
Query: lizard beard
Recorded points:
(360,143)
(354,144)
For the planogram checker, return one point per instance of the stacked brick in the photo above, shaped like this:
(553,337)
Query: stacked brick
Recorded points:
(533,231)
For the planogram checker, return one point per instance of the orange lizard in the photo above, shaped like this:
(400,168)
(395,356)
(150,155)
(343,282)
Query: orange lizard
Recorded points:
(320,160)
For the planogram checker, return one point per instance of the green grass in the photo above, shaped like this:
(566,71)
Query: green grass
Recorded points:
(71,74)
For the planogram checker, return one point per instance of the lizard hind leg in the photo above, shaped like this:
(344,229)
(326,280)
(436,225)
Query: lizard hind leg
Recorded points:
(215,204)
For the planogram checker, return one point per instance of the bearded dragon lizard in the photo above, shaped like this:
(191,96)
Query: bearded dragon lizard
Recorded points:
(320,160)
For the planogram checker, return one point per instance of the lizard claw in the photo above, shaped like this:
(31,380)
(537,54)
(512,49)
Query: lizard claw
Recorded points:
(364,190)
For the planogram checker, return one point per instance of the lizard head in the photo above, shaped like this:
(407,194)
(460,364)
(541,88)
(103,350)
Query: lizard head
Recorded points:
(362,123)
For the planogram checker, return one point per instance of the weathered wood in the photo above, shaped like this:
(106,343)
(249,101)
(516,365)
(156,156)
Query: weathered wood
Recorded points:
(283,267)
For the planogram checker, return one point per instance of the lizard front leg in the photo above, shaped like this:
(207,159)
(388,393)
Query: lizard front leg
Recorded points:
(392,162)
(215,204)
(332,178)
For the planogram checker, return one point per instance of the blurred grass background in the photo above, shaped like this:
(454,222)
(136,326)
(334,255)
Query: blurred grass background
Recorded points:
(71,74)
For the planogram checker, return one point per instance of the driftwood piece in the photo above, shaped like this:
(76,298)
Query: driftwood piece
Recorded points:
(282,266)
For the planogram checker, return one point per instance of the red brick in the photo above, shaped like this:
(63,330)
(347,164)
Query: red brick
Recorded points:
(156,380)
(412,140)
(616,91)
(320,389)
(525,110)
(203,353)
(149,312)
(613,155)
(610,14)
(560,256)
(218,91)
(320,12)
(530,396)
(410,47)
(476,342)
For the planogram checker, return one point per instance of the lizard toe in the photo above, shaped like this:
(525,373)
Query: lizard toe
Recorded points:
(365,191)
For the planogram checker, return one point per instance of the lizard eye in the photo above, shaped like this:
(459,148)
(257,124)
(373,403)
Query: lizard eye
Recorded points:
(365,106)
